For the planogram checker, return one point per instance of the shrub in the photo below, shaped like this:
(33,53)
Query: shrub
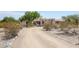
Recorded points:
(11,29)
(47,26)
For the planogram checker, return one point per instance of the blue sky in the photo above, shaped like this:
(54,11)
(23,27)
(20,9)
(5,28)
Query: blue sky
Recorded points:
(58,14)
(45,14)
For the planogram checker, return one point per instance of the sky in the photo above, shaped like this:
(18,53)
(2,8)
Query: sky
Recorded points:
(44,14)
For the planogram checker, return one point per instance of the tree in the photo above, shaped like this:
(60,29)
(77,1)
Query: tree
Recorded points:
(30,16)
(22,18)
(65,25)
(72,21)
(8,19)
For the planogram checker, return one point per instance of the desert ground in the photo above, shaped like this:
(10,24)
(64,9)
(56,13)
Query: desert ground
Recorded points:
(36,37)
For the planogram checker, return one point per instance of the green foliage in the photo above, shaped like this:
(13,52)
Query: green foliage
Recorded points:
(29,16)
(71,21)
(11,27)
(22,18)
(8,19)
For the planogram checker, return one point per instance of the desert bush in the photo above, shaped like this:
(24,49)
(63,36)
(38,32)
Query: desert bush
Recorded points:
(54,26)
(47,26)
(1,25)
(11,29)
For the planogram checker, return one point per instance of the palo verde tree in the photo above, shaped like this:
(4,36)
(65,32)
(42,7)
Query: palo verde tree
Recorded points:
(29,16)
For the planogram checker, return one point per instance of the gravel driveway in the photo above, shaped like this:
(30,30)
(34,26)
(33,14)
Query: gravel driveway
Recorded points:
(36,38)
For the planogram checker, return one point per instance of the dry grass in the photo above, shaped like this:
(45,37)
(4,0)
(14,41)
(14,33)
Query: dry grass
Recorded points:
(11,29)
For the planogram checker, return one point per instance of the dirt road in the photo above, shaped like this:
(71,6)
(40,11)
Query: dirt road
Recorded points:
(36,38)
